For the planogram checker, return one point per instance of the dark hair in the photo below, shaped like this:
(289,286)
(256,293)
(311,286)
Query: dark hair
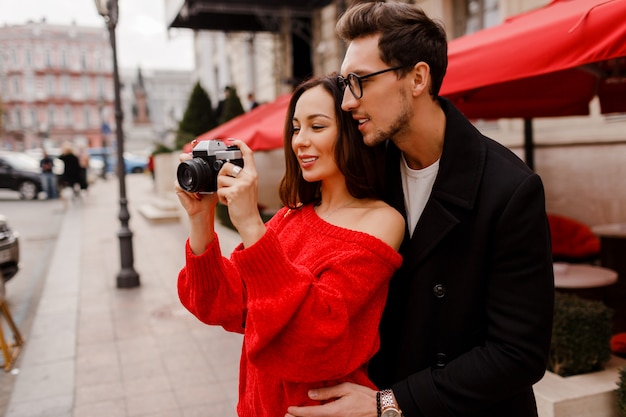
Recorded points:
(361,165)
(407,36)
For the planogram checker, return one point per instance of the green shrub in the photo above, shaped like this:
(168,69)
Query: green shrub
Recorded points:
(581,335)
(621,392)
(160,148)
(232,106)
(198,117)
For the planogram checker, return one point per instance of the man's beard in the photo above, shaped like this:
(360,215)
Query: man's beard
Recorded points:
(398,126)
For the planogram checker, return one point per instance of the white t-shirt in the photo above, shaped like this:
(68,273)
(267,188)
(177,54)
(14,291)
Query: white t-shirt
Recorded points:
(417,185)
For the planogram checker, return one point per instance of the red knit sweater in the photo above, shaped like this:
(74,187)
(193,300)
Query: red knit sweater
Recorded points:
(308,297)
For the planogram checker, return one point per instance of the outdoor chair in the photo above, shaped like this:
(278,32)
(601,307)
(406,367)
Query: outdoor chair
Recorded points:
(573,241)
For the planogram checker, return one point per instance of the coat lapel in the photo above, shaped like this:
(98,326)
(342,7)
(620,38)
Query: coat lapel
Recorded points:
(455,189)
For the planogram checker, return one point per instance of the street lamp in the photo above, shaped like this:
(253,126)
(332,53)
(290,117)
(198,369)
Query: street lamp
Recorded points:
(127,277)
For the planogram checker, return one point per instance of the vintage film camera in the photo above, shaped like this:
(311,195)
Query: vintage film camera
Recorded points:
(199,174)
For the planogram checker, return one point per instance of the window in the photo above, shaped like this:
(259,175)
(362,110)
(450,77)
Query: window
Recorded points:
(87,116)
(16,86)
(100,87)
(51,115)
(33,118)
(474,15)
(50,84)
(85,85)
(65,85)
(68,115)
(29,86)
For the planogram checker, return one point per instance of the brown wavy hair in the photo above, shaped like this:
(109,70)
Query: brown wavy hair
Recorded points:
(361,165)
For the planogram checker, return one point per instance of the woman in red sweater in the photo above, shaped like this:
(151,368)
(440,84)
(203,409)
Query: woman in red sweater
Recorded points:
(307,289)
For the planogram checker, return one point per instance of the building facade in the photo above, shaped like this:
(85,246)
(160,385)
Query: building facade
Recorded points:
(247,61)
(153,103)
(55,85)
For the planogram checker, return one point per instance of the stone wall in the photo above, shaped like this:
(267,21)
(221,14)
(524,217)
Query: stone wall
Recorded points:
(585,182)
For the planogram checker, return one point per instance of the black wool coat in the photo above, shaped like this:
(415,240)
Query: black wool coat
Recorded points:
(467,325)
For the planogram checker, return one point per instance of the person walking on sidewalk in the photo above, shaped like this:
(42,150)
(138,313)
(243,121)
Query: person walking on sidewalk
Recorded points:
(307,289)
(83,163)
(71,177)
(48,178)
(468,320)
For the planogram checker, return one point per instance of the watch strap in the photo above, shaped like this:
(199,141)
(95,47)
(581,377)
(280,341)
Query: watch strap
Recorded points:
(387,401)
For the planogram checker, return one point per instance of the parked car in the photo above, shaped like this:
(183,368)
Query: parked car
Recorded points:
(9,250)
(133,163)
(20,172)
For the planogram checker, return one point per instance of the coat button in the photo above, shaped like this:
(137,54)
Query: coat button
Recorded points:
(439,290)
(440,360)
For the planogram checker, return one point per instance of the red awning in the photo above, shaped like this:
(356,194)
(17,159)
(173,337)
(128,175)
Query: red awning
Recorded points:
(548,62)
(261,128)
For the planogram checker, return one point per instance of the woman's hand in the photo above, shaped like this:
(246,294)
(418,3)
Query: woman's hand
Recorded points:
(200,209)
(238,189)
(195,203)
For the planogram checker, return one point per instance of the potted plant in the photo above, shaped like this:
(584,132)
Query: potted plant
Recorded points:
(621,392)
(582,373)
(581,335)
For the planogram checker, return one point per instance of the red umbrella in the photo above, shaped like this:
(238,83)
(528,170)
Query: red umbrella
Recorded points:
(261,128)
(548,62)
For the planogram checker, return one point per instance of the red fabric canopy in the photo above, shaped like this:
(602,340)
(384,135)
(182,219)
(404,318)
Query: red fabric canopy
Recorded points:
(548,62)
(261,128)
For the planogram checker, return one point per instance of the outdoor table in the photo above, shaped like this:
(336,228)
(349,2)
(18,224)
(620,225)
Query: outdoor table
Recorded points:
(613,256)
(575,276)
(612,246)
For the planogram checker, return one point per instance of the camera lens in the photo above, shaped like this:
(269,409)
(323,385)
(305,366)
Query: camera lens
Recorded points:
(195,175)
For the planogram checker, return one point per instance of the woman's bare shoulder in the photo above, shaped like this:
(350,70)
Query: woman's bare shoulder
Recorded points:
(384,222)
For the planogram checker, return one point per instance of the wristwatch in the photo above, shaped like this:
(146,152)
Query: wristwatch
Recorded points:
(388,406)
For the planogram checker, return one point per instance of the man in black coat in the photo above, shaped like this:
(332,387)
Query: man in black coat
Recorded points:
(71,176)
(467,325)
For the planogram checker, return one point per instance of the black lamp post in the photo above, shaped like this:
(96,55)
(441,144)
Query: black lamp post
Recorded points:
(127,277)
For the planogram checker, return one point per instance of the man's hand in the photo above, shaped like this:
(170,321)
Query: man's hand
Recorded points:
(346,400)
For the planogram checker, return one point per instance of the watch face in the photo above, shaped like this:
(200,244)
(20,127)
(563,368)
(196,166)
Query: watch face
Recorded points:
(390,412)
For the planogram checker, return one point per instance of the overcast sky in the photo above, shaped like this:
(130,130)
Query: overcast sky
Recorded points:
(142,38)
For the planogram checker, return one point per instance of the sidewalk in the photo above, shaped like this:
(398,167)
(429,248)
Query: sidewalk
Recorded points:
(96,350)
